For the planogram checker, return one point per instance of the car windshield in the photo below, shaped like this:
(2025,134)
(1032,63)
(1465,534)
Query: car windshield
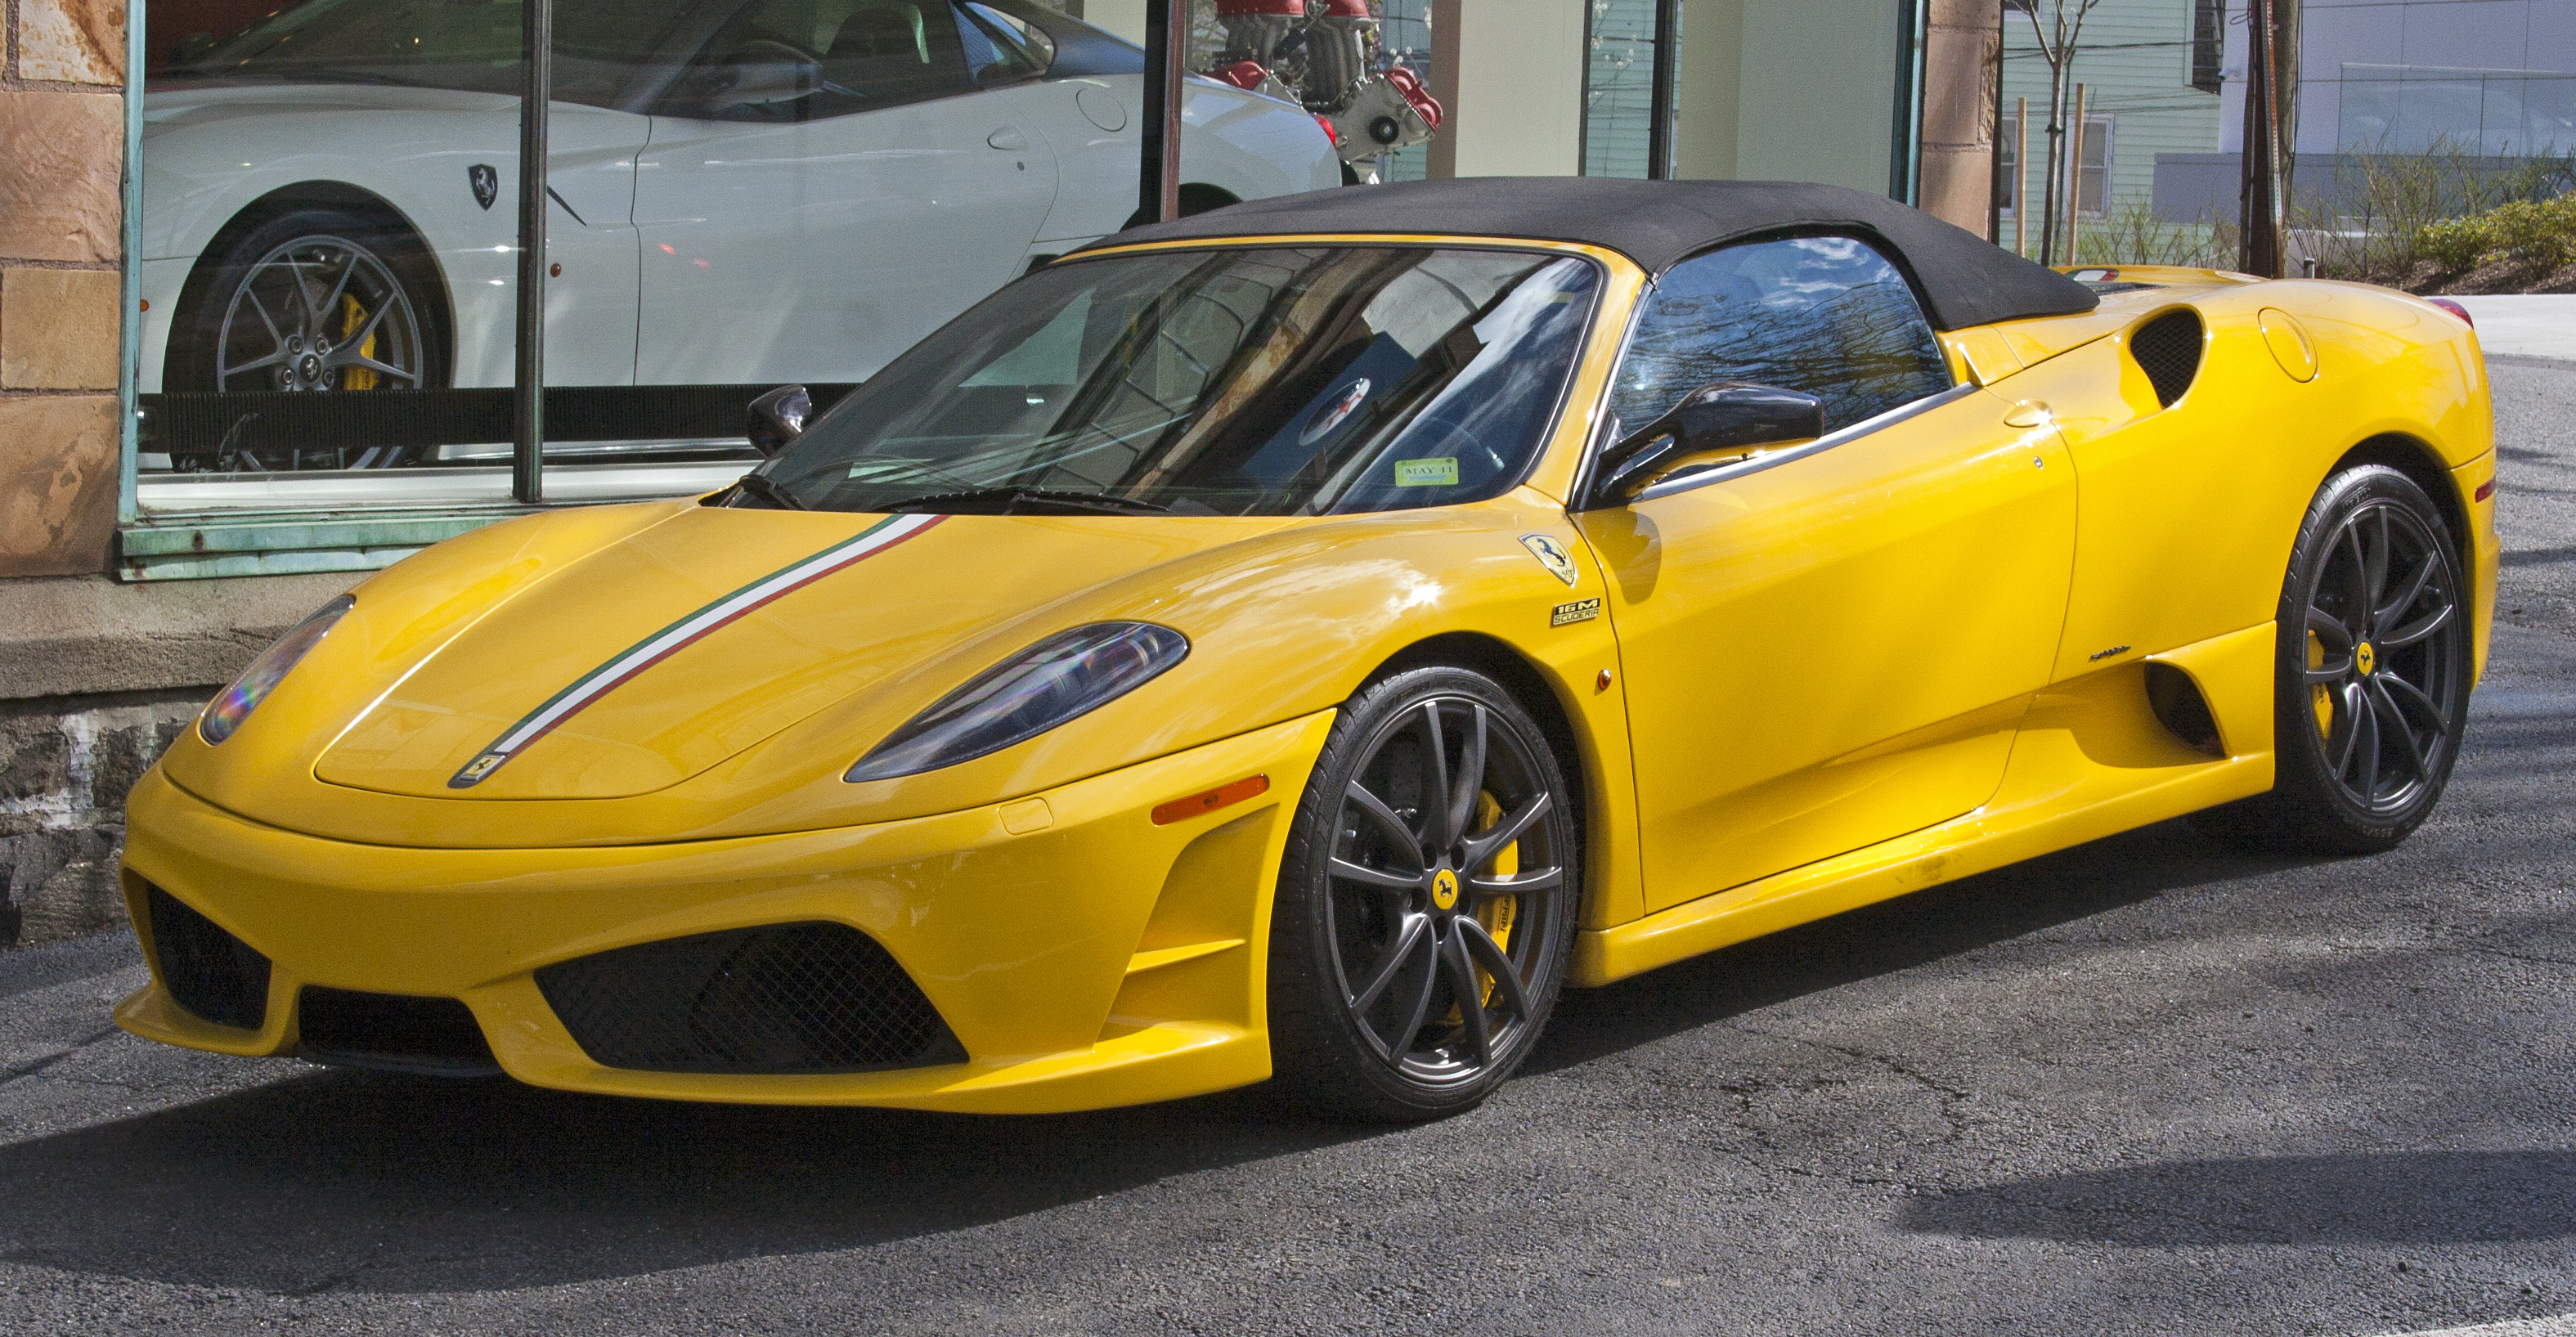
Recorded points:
(1269,381)
(464,44)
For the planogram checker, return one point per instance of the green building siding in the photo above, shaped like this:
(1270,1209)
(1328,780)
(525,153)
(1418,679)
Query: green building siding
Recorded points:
(2135,61)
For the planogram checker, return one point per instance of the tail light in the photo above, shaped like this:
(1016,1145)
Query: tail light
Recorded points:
(1330,133)
(2455,309)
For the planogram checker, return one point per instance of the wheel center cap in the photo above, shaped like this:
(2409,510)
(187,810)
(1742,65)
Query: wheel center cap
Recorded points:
(2366,658)
(311,367)
(1444,889)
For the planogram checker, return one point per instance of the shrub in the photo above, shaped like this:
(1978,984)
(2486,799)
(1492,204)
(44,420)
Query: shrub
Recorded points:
(2540,232)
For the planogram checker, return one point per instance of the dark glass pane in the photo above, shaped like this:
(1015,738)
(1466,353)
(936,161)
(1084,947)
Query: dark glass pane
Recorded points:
(1826,315)
(461,44)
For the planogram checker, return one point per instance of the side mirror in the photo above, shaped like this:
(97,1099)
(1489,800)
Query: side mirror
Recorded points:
(776,419)
(1735,417)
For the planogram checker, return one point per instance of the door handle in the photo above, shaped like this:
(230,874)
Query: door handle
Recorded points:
(2028,413)
(1008,139)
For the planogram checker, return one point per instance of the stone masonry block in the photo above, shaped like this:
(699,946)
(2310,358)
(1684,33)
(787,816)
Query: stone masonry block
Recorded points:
(58,194)
(72,41)
(34,885)
(125,751)
(1959,100)
(35,757)
(58,329)
(1957,182)
(57,483)
(1982,15)
(83,898)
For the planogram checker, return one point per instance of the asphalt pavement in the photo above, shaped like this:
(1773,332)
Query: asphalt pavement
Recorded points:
(2143,1086)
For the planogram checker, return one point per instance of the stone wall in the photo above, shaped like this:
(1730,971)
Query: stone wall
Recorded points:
(65,769)
(62,140)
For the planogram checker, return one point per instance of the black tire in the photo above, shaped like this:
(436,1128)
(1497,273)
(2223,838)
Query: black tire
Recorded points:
(1368,1015)
(2371,677)
(321,298)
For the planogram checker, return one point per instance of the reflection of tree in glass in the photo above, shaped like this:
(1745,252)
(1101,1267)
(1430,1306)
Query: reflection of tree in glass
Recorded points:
(1269,381)
(1825,315)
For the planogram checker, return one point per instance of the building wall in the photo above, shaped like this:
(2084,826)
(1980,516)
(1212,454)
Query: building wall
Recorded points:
(62,138)
(1511,78)
(2135,60)
(2392,75)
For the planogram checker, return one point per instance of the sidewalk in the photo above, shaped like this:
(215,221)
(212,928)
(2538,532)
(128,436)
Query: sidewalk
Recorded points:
(2541,325)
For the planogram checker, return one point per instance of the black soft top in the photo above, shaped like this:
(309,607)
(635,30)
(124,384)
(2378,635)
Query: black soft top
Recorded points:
(1963,280)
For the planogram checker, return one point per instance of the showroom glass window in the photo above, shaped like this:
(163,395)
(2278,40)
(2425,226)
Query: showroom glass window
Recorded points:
(1829,316)
(743,193)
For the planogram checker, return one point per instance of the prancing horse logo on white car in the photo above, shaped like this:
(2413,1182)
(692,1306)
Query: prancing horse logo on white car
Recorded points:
(487,183)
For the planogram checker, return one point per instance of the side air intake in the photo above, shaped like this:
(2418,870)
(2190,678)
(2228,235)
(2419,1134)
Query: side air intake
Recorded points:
(209,972)
(2168,351)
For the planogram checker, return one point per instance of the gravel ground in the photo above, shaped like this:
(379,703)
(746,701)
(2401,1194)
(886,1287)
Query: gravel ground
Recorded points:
(2143,1086)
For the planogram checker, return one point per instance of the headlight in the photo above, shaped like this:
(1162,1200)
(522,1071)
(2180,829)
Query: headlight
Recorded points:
(264,673)
(1060,678)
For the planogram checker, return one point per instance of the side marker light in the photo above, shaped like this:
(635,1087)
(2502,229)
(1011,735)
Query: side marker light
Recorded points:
(2485,490)
(1224,795)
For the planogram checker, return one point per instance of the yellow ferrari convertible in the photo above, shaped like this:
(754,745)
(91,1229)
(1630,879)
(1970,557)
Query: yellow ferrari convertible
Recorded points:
(1295,642)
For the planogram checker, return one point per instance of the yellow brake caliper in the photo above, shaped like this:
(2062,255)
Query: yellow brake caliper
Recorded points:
(1496,914)
(2321,695)
(352,318)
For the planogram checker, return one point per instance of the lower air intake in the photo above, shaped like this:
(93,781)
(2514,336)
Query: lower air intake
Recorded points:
(399,1032)
(786,998)
(2168,351)
(211,973)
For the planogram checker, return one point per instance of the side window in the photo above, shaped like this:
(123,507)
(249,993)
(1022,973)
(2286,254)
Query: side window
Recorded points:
(1000,48)
(805,60)
(1826,315)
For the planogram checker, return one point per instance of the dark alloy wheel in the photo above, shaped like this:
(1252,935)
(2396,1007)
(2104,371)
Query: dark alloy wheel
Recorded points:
(2373,673)
(315,300)
(1427,904)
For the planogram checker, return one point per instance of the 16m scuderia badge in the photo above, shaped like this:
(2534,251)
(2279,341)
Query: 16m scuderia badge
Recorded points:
(1552,555)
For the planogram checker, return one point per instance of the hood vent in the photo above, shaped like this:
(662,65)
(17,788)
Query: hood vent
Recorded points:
(2168,351)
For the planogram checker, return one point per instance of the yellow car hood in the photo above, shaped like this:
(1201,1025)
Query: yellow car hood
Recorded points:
(668,650)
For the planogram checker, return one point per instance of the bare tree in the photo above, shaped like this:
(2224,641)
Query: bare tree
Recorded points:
(2058,26)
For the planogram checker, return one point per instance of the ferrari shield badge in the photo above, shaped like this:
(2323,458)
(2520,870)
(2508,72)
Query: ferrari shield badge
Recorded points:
(486,182)
(1552,555)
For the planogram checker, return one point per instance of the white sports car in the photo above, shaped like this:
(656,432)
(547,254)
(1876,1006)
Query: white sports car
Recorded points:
(746,191)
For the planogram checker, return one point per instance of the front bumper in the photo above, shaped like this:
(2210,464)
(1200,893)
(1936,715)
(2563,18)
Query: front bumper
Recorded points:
(1082,955)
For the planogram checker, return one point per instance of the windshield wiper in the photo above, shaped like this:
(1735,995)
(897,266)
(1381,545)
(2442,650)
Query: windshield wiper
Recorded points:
(758,485)
(1018,499)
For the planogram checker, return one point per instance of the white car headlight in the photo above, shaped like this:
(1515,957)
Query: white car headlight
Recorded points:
(227,711)
(1058,679)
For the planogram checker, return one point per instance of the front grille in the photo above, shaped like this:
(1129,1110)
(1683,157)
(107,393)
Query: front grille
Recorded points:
(209,972)
(436,1036)
(2168,351)
(786,998)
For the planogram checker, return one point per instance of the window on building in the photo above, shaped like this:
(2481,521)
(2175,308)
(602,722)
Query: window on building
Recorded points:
(2007,170)
(1618,86)
(2093,165)
(2208,44)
